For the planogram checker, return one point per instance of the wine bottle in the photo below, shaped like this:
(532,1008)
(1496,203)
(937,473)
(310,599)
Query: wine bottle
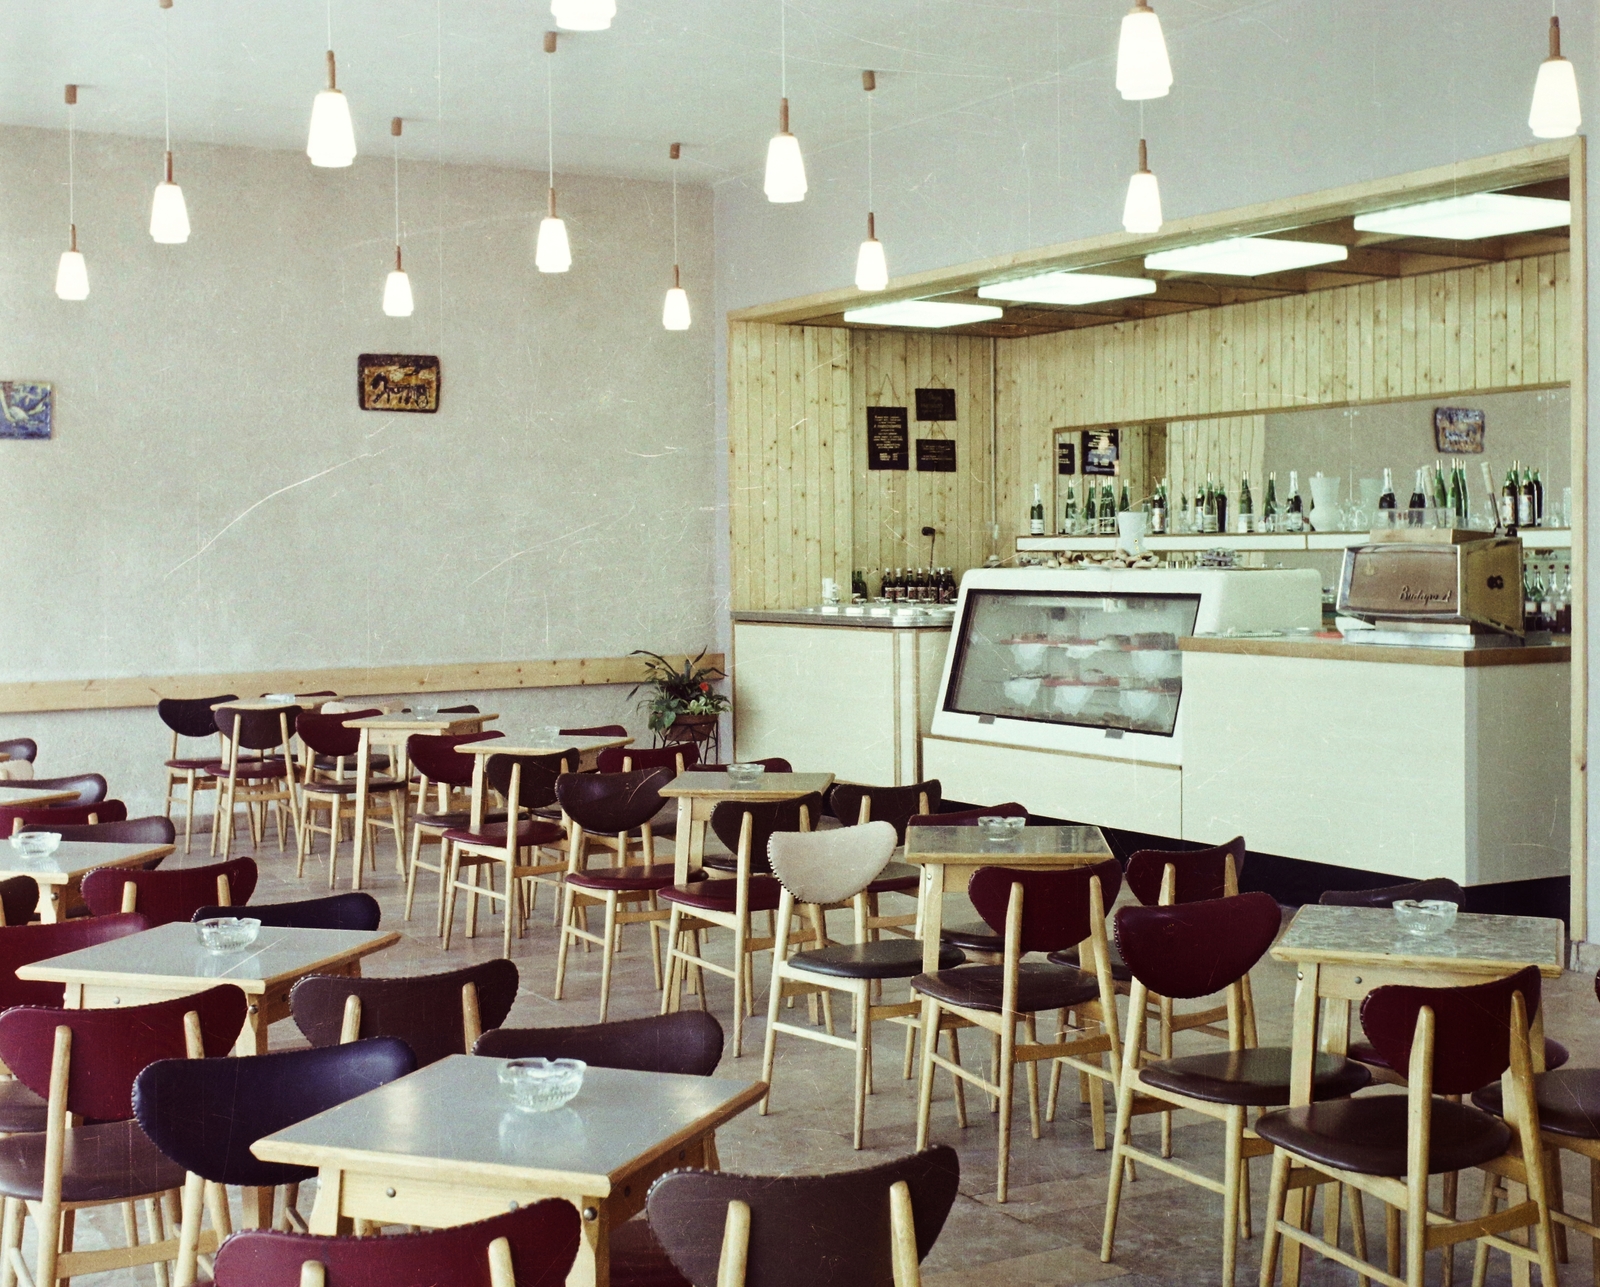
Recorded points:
(1069,511)
(1538,500)
(1247,514)
(1158,508)
(1108,510)
(1386,500)
(1222,508)
(1418,502)
(1036,514)
(1294,507)
(1123,505)
(1269,509)
(1456,503)
(858,585)
(1091,510)
(1441,498)
(1525,510)
(1508,500)
(1208,513)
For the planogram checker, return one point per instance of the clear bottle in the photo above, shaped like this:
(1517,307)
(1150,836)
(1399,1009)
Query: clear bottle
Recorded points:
(1294,519)
(1269,510)
(1387,500)
(1247,514)
(1036,514)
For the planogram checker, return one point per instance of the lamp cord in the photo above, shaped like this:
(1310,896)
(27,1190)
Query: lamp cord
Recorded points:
(674,214)
(869,150)
(330,24)
(166,72)
(397,191)
(550,121)
(783,46)
(72,213)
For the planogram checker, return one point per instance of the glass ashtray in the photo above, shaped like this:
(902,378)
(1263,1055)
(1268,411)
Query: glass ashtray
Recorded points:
(997,828)
(745,775)
(223,934)
(542,1085)
(1427,917)
(36,844)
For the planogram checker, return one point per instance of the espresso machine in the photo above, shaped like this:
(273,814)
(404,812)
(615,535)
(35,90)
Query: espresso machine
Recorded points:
(1434,588)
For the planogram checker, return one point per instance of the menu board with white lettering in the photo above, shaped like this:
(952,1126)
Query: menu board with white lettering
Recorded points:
(888,438)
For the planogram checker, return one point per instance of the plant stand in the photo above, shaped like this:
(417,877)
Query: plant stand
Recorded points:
(702,730)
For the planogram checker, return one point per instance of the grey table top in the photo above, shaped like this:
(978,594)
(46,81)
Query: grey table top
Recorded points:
(455,1117)
(946,844)
(1373,934)
(773,786)
(529,743)
(74,857)
(25,795)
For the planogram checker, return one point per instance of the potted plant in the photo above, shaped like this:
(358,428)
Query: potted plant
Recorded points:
(680,699)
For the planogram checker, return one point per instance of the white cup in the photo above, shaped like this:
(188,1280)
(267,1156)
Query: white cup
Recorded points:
(1131,526)
(830,590)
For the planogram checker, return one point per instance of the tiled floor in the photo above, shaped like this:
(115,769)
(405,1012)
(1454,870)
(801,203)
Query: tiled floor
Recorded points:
(1049,1231)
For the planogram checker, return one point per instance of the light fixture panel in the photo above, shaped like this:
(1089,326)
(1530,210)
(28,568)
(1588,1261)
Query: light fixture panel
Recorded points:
(929,313)
(1478,214)
(1068,288)
(583,15)
(1247,256)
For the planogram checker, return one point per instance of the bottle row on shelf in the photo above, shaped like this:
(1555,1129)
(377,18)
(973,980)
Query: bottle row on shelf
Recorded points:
(904,585)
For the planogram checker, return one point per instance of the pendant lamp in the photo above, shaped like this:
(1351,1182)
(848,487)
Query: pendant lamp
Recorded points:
(872,269)
(397,300)
(675,308)
(1143,70)
(583,15)
(1141,212)
(786,168)
(169,216)
(553,252)
(331,142)
(1555,114)
(72,273)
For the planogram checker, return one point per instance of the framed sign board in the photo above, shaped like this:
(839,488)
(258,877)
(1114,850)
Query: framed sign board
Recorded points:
(397,382)
(1100,452)
(888,438)
(1458,431)
(1066,456)
(936,456)
(936,404)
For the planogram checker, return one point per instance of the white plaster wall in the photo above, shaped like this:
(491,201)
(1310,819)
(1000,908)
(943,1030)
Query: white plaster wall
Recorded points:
(213,500)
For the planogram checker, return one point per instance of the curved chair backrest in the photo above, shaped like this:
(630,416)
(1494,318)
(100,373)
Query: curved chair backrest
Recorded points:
(205,1114)
(354,910)
(154,830)
(968,817)
(1472,1027)
(15,818)
(328,734)
(805,1230)
(600,730)
(536,783)
(24,944)
(434,755)
(1199,874)
(767,819)
(19,748)
(1055,904)
(256,730)
(1440,887)
(111,1047)
(191,716)
(19,900)
(1194,949)
(91,787)
(688,1043)
(772,764)
(166,896)
(611,803)
(542,1239)
(613,758)
(425,1011)
(466,709)
(830,866)
(894,805)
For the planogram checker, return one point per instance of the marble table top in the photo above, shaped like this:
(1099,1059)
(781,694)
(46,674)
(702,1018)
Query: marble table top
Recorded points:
(1372,934)
(1030,844)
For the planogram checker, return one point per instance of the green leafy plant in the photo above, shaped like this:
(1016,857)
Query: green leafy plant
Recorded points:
(675,691)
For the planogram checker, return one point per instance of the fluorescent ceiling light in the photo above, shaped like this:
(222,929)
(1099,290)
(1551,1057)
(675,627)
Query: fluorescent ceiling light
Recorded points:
(1480,214)
(923,312)
(1068,288)
(1247,256)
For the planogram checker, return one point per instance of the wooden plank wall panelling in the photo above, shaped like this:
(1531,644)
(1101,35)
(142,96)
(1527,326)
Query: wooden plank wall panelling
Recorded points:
(1494,326)
(1228,449)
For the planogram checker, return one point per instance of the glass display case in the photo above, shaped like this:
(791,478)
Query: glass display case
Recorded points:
(1088,659)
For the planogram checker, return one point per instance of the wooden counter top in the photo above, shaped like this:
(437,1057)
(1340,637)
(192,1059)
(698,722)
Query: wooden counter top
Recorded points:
(1333,648)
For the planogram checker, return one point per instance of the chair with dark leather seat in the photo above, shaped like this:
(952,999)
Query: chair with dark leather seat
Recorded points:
(974,938)
(191,717)
(1191,950)
(1038,911)
(204,1114)
(19,748)
(853,804)
(772,764)
(84,1063)
(527,783)
(599,730)
(166,896)
(354,910)
(611,805)
(91,787)
(437,763)
(19,900)
(767,819)
(633,759)
(688,1044)
(1451,1041)
(327,738)
(154,830)
(823,869)
(259,772)
(435,1014)
(533,1245)
(19,817)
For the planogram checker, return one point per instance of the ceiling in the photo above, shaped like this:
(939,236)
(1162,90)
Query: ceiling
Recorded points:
(704,72)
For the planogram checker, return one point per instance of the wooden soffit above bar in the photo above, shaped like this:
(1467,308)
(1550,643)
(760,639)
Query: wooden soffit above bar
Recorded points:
(1541,170)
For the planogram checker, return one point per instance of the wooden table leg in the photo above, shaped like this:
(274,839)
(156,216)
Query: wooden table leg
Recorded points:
(363,764)
(592,1268)
(50,903)
(288,774)
(1303,1043)
(325,1218)
(477,795)
(73,997)
(932,914)
(680,851)
(252,1037)
(258,1203)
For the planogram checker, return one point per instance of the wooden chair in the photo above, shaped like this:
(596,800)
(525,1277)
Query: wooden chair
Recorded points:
(1041,911)
(680,757)
(1451,1041)
(154,830)
(22,817)
(84,1063)
(527,782)
(435,1014)
(204,1114)
(852,805)
(436,763)
(263,779)
(191,717)
(327,740)
(868,1228)
(166,896)
(353,910)
(820,870)
(1187,951)
(686,1045)
(19,748)
(534,1244)
(610,807)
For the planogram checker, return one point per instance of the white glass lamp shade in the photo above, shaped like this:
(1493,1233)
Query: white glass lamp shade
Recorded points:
(1141,212)
(675,310)
(1555,114)
(1143,70)
(583,15)
(872,269)
(72,276)
(553,252)
(169,217)
(332,140)
(786,168)
(397,300)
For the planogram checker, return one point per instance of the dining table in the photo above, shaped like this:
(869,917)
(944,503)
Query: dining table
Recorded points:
(27,797)
(533,742)
(698,794)
(447,1145)
(59,874)
(170,961)
(949,855)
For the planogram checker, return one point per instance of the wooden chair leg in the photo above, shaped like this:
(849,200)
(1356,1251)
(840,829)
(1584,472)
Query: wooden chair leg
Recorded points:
(1031,1035)
(10,1238)
(607,956)
(452,871)
(1120,1135)
(568,914)
(958,1087)
(411,869)
(188,814)
(1006,1078)
(863,1057)
(1232,1163)
(930,1037)
(1277,1198)
(334,813)
(670,987)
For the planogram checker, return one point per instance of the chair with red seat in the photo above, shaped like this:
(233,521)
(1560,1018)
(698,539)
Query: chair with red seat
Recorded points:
(1038,911)
(612,806)
(166,896)
(772,764)
(434,758)
(84,1062)
(532,1246)
(974,938)
(263,778)
(526,782)
(1190,950)
(631,759)
(599,730)
(18,817)
(327,738)
(191,718)
(769,818)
